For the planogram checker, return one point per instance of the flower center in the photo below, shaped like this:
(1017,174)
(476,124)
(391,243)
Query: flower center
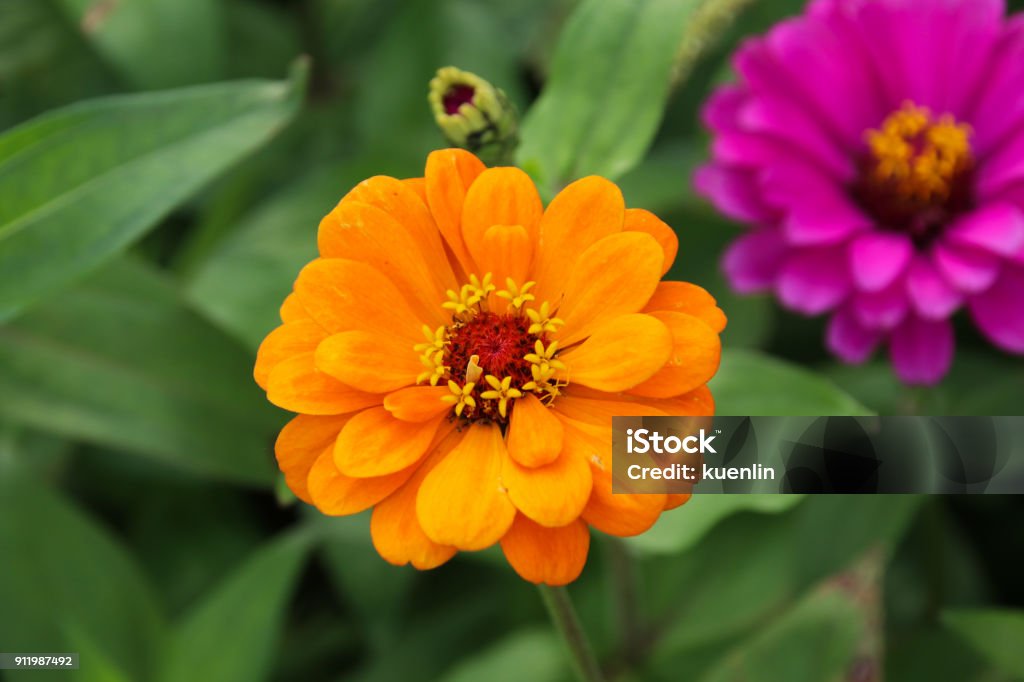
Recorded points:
(456,96)
(495,350)
(917,172)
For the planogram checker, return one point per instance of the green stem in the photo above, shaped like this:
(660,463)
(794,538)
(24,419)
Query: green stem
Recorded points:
(624,597)
(563,615)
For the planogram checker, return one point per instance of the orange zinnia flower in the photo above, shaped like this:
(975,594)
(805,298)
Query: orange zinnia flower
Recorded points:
(456,354)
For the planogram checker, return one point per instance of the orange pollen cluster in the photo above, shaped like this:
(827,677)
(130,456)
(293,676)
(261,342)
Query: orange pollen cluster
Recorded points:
(489,357)
(916,174)
(919,157)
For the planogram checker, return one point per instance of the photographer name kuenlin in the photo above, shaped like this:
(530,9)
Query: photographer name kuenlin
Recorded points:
(645,441)
(687,472)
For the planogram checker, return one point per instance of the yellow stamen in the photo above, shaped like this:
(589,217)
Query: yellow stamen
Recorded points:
(458,302)
(479,289)
(544,356)
(461,397)
(502,391)
(918,155)
(516,295)
(542,322)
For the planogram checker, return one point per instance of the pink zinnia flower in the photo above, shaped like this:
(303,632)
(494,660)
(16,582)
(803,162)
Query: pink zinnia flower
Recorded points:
(876,147)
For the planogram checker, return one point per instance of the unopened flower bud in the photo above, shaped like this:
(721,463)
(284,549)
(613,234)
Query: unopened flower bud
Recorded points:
(474,115)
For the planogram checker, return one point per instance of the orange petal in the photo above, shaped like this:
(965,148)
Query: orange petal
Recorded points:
(617,275)
(697,403)
(584,404)
(580,215)
(370,235)
(552,556)
(462,502)
(336,494)
(623,515)
(640,220)
(406,202)
(673,500)
(505,251)
(419,187)
(499,196)
(300,443)
(417,403)
(620,514)
(396,531)
(342,295)
(621,353)
(599,408)
(534,433)
(288,340)
(370,362)
(683,297)
(292,310)
(297,385)
(696,352)
(449,174)
(374,443)
(554,494)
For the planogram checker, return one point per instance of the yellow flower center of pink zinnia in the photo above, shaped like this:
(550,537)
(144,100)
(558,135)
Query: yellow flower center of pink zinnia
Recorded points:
(496,349)
(917,171)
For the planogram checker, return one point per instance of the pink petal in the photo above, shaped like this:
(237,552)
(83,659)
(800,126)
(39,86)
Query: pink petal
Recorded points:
(752,262)
(812,281)
(930,294)
(922,350)
(998,228)
(822,64)
(733,192)
(968,270)
(918,45)
(722,108)
(848,339)
(878,258)
(1002,169)
(999,312)
(998,108)
(773,114)
(881,309)
(818,210)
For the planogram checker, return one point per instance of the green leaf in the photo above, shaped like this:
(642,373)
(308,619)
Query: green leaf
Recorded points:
(877,386)
(121,361)
(933,653)
(534,655)
(231,635)
(815,642)
(139,38)
(64,581)
(79,184)
(997,634)
(751,384)
(752,565)
(610,79)
(377,592)
(679,531)
(833,530)
(35,39)
(242,284)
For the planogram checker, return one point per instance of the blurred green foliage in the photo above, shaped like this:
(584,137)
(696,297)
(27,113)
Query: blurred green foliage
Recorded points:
(161,180)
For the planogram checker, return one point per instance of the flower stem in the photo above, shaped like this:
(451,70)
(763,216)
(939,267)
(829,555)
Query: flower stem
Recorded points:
(624,597)
(563,615)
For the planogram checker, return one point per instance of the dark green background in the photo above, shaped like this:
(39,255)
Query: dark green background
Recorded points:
(142,523)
